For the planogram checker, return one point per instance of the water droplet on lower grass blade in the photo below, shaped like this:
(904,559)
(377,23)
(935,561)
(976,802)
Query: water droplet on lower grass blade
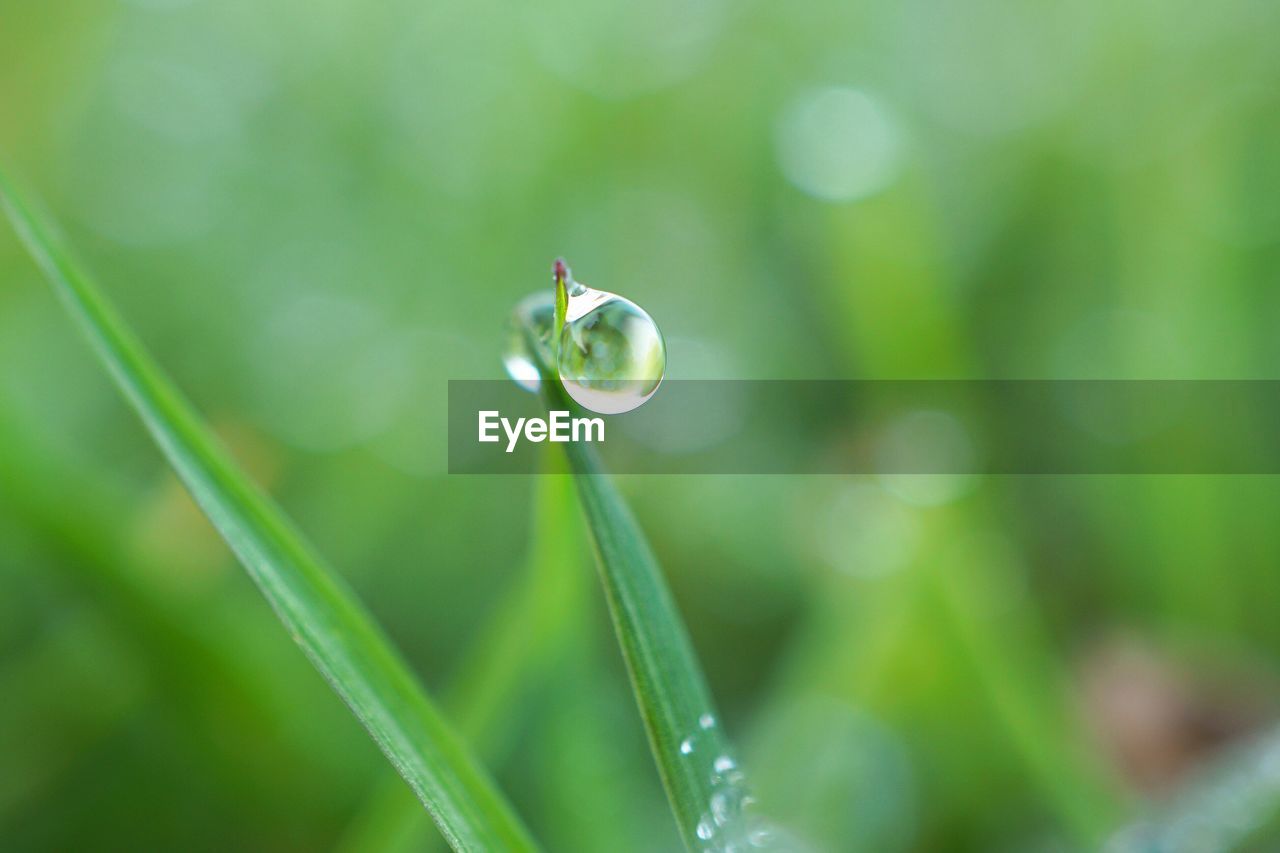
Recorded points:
(720,808)
(612,356)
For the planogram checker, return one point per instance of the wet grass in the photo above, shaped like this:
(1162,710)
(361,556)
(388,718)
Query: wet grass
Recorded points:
(319,611)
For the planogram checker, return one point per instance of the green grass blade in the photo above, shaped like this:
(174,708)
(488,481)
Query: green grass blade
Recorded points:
(699,771)
(531,627)
(322,615)
(688,743)
(519,644)
(1231,802)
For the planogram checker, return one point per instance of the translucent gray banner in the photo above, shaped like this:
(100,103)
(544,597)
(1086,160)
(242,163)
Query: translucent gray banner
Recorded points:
(888,427)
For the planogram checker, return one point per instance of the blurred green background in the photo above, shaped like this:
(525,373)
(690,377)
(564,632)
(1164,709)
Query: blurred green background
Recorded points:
(315,213)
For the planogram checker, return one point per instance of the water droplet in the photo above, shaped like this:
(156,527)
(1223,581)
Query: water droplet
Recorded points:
(612,356)
(535,312)
(705,829)
(723,764)
(720,808)
(706,721)
(686,746)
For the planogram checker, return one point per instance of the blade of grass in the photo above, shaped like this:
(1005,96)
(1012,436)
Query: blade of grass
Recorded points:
(1231,803)
(694,758)
(320,612)
(530,628)
(522,639)
(669,686)
(892,241)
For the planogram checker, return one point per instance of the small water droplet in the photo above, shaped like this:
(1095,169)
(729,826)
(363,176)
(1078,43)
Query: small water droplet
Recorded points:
(537,313)
(720,808)
(686,746)
(705,829)
(706,721)
(723,764)
(612,356)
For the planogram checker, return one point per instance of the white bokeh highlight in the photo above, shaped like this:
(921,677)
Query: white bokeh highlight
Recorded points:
(837,144)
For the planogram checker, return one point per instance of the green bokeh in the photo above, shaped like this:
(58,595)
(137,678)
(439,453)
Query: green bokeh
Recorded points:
(316,213)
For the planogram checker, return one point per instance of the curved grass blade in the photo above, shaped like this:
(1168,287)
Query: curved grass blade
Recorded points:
(704,786)
(497,679)
(320,612)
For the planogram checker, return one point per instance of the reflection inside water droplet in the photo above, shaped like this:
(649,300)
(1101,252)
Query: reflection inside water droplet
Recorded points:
(686,746)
